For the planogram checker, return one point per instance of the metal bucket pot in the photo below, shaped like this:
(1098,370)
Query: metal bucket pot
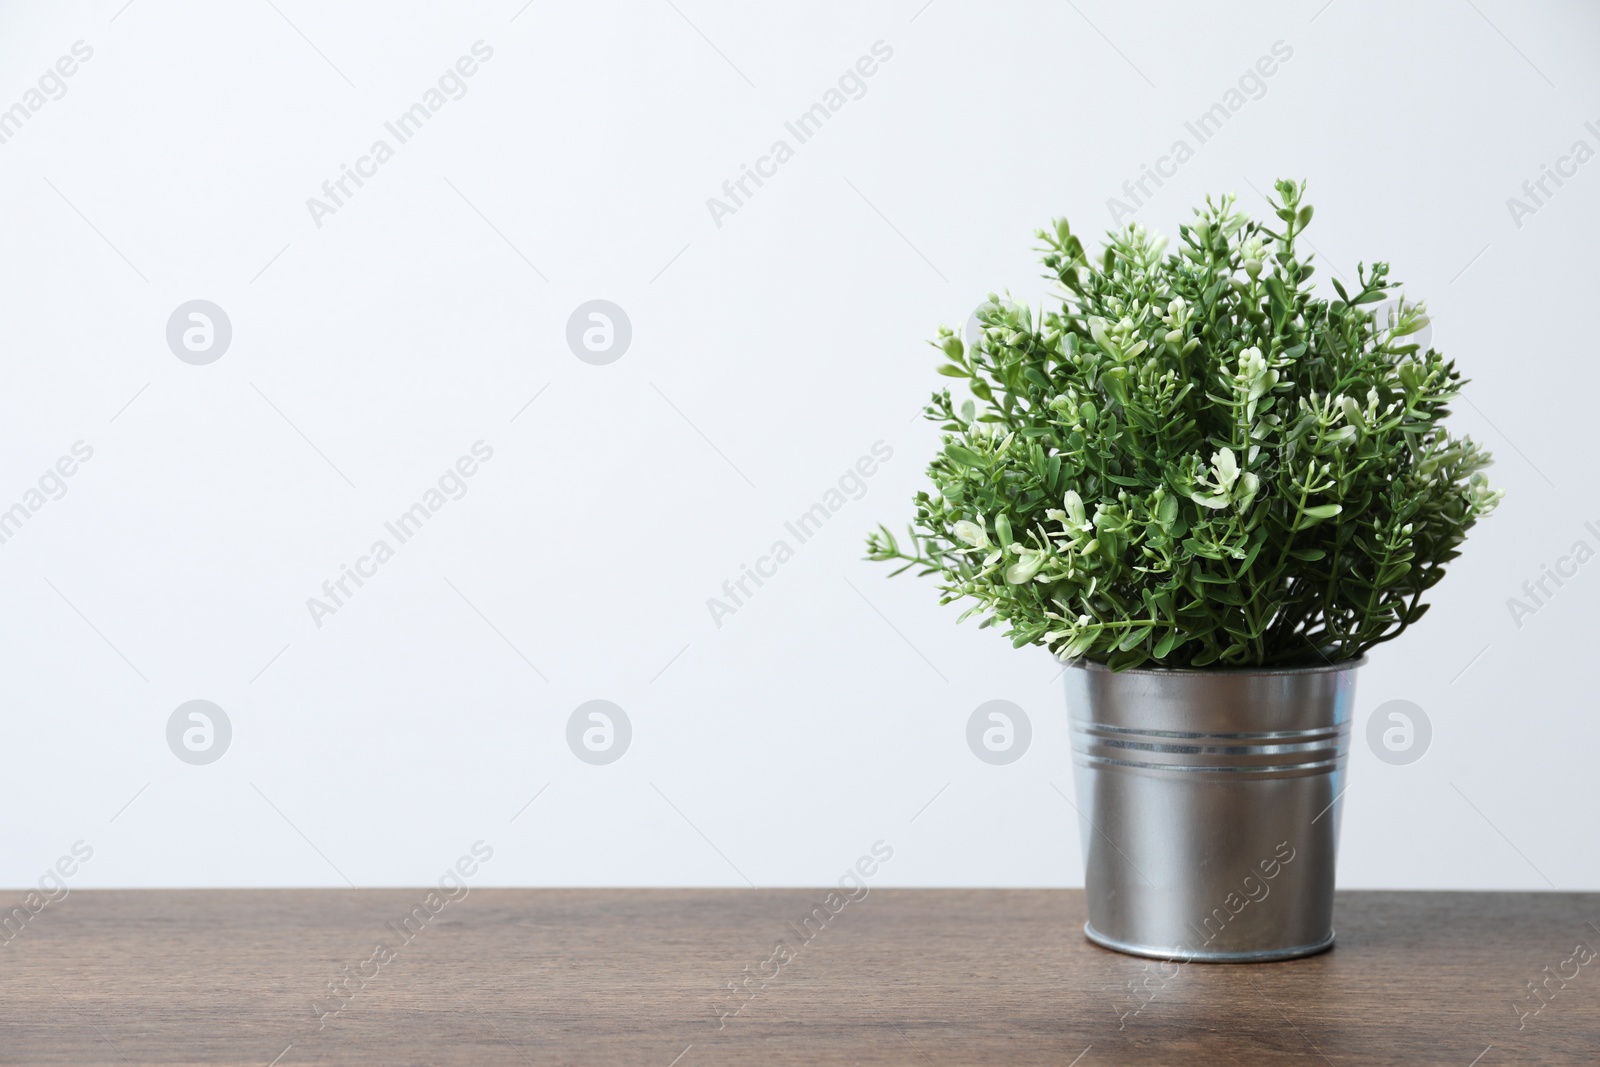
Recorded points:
(1208,807)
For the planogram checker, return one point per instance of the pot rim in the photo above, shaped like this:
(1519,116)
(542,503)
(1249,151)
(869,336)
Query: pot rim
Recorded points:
(1202,672)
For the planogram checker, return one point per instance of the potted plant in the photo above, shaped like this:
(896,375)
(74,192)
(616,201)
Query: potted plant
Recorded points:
(1210,492)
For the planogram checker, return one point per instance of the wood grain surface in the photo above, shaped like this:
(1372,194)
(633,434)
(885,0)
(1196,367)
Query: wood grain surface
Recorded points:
(901,976)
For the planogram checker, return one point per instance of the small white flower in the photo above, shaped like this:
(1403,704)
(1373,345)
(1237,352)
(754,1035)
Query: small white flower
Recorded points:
(1228,484)
(972,534)
(1352,411)
(1025,568)
(1075,510)
(1251,252)
(1226,468)
(1255,374)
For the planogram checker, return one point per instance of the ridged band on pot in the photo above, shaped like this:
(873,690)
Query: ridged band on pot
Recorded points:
(1208,807)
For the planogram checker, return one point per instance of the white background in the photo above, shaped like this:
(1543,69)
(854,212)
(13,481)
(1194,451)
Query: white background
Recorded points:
(767,355)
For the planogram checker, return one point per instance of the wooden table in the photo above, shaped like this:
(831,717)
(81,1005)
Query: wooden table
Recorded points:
(902,976)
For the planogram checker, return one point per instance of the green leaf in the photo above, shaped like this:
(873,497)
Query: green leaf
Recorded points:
(1114,381)
(1391,575)
(1134,637)
(1276,291)
(966,457)
(1227,594)
(1311,516)
(1121,661)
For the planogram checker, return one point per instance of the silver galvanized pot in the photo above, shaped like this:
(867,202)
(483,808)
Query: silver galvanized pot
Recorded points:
(1208,807)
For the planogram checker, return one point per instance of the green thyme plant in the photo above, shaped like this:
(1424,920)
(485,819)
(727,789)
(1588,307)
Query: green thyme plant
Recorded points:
(1195,461)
